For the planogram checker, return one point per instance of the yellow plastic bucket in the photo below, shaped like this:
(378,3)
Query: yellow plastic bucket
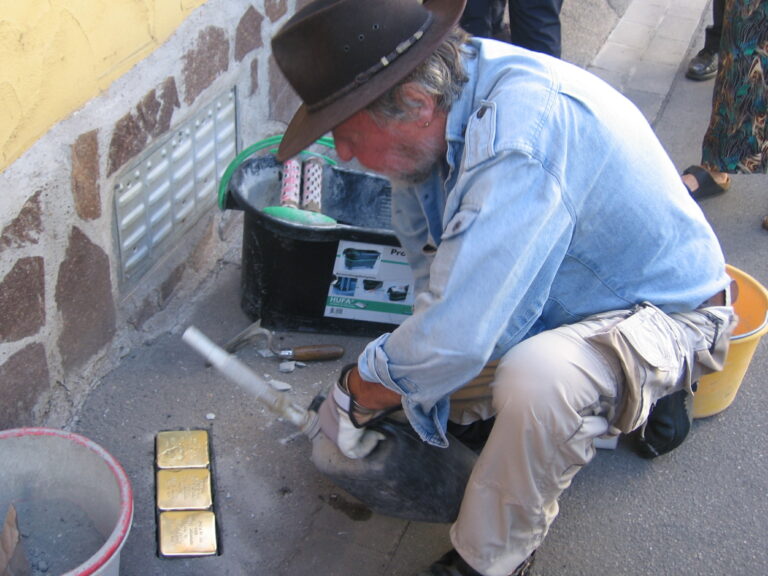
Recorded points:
(718,390)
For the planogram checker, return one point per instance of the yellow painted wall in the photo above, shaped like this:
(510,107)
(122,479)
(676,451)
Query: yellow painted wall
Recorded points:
(55,55)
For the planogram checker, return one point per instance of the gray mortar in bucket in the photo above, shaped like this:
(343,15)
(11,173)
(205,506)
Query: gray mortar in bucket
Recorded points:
(57,535)
(73,501)
(350,197)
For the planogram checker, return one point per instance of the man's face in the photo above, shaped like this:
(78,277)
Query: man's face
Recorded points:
(402,151)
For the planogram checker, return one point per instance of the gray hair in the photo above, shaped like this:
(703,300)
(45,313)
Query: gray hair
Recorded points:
(442,75)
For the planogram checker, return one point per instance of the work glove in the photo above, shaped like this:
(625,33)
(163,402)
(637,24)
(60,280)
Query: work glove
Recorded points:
(344,421)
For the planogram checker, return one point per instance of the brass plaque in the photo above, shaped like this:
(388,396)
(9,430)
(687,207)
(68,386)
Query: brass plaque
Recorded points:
(188,533)
(182,449)
(184,489)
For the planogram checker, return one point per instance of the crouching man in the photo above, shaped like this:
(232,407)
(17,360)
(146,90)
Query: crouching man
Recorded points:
(548,232)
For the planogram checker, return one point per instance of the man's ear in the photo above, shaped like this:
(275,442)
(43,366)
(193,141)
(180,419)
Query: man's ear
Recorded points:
(422,104)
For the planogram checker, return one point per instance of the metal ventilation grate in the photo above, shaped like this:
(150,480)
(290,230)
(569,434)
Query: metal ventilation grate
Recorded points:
(161,195)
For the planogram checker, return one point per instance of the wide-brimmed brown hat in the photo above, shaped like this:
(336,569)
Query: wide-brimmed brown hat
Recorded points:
(340,55)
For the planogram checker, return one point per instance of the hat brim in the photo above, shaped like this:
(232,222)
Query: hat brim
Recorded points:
(305,127)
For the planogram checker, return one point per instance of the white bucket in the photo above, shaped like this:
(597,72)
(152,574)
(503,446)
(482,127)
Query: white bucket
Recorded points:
(41,466)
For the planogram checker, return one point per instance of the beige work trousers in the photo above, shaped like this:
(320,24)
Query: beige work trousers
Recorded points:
(553,394)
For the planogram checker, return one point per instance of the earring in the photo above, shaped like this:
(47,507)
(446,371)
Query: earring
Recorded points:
(426,124)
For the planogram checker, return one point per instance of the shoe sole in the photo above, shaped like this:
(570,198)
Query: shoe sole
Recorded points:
(700,77)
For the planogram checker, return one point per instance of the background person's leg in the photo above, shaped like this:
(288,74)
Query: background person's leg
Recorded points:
(477,18)
(535,24)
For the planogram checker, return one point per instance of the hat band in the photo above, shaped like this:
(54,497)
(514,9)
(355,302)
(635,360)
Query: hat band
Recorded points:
(382,63)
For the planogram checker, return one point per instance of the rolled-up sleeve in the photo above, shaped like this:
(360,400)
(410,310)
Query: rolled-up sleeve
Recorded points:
(499,250)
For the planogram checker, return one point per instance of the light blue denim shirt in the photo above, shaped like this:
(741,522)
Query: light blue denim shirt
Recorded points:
(556,202)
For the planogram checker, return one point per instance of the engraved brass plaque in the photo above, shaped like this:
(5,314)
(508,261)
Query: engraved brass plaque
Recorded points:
(184,489)
(182,449)
(188,533)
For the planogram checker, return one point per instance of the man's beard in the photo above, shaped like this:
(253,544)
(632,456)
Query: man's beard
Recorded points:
(422,160)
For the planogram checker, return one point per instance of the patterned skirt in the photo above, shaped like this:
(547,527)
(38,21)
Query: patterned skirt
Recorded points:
(737,137)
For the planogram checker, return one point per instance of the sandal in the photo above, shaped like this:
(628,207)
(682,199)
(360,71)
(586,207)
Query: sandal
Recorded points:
(706,184)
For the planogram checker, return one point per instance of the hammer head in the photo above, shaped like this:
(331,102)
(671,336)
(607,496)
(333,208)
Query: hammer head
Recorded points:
(249,335)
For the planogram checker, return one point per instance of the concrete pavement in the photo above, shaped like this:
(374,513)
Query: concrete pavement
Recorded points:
(642,55)
(701,510)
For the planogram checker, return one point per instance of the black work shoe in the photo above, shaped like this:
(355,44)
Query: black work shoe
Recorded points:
(668,425)
(452,564)
(703,66)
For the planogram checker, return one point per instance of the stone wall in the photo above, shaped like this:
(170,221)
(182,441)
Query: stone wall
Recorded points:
(65,320)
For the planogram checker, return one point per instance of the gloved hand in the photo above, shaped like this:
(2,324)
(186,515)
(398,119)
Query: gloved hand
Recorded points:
(343,420)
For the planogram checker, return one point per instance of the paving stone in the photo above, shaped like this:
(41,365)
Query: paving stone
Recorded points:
(645,13)
(85,175)
(275,9)
(613,77)
(633,34)
(653,77)
(128,139)
(84,299)
(205,62)
(693,8)
(151,118)
(26,227)
(254,76)
(22,299)
(678,28)
(248,34)
(649,103)
(24,376)
(617,58)
(666,51)
(155,111)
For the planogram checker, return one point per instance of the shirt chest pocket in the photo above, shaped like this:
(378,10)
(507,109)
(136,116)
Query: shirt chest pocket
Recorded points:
(460,222)
(480,135)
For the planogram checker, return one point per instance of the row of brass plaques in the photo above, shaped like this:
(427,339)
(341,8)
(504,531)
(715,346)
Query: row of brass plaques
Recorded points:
(184,498)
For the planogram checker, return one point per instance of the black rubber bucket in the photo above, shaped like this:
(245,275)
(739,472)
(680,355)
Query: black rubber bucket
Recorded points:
(287,267)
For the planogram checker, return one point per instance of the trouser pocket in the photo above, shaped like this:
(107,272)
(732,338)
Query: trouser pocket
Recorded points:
(652,351)
(709,330)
